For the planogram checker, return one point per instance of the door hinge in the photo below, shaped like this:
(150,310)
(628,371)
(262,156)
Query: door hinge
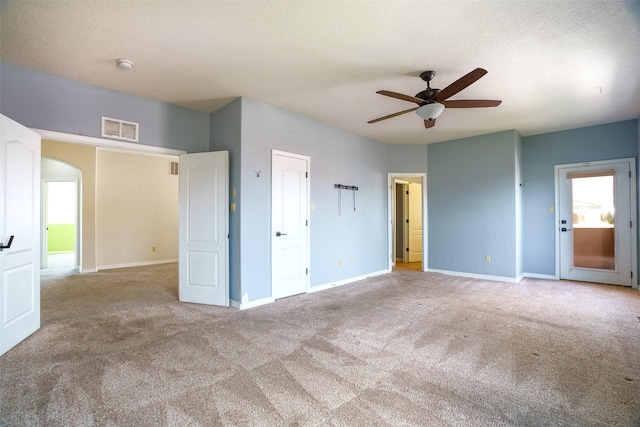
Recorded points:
(306,174)
(407,249)
(407,221)
(631,224)
(306,222)
(227,236)
(632,274)
(307,271)
(407,192)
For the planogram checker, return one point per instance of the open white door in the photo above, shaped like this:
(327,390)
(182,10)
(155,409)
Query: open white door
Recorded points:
(415,222)
(289,224)
(20,226)
(203,251)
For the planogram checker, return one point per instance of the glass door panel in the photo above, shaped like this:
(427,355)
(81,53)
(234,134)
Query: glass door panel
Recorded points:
(593,211)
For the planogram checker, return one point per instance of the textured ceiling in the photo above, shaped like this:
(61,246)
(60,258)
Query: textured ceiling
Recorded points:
(555,64)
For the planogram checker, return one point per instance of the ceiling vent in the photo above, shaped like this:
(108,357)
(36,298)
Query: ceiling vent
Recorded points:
(119,129)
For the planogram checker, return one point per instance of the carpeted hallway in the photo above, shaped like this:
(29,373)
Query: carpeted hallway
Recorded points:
(407,348)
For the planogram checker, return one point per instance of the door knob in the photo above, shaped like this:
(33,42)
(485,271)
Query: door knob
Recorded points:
(8,245)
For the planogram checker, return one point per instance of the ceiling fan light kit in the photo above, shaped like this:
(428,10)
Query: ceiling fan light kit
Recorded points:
(430,111)
(432,102)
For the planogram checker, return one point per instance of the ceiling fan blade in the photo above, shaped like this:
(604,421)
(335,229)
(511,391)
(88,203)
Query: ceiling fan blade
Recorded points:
(401,96)
(429,123)
(460,84)
(471,103)
(393,115)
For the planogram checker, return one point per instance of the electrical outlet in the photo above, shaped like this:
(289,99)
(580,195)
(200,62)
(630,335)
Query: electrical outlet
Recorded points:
(340,262)
(487,258)
(313,206)
(153,248)
(551,209)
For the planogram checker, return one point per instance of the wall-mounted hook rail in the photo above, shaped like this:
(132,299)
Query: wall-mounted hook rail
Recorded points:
(341,187)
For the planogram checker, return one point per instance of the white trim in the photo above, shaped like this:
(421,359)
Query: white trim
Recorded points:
(392,177)
(136,264)
(251,304)
(538,276)
(479,276)
(347,281)
(172,157)
(106,143)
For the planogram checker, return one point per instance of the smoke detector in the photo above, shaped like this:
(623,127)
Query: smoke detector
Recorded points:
(125,64)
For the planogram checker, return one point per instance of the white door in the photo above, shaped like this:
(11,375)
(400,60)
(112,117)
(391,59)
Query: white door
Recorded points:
(203,245)
(20,224)
(596,222)
(289,224)
(415,222)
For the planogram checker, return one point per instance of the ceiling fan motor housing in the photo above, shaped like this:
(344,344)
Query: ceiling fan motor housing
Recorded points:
(427,94)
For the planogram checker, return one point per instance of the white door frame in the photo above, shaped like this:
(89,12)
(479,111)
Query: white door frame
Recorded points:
(44,204)
(633,206)
(392,177)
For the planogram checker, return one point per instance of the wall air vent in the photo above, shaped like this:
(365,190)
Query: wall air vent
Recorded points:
(119,129)
(174,168)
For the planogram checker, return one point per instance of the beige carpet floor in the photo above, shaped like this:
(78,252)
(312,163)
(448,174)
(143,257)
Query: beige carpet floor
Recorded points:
(404,349)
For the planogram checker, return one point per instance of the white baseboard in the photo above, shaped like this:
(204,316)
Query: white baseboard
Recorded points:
(539,276)
(477,276)
(136,264)
(251,304)
(345,281)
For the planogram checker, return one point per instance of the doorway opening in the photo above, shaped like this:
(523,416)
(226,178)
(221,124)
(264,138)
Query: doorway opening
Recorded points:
(407,220)
(60,213)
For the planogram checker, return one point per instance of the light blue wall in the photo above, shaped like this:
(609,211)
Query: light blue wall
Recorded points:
(406,158)
(44,101)
(337,157)
(472,204)
(540,154)
(226,130)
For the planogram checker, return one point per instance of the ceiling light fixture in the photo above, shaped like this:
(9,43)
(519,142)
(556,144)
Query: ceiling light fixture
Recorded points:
(125,64)
(430,111)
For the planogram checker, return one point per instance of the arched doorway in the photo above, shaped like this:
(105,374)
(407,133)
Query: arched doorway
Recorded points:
(61,214)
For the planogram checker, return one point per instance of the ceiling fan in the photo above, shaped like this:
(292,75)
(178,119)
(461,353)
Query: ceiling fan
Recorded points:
(432,102)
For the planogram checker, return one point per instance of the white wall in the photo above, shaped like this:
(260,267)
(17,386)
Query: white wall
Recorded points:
(137,209)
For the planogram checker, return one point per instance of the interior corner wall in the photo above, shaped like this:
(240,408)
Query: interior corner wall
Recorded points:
(82,157)
(519,187)
(137,209)
(337,157)
(225,132)
(407,158)
(540,154)
(472,205)
(44,101)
